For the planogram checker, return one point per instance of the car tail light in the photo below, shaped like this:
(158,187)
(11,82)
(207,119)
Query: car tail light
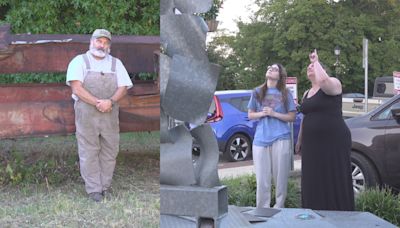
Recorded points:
(218,115)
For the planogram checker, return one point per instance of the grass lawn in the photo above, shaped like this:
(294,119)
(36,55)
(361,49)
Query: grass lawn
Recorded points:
(135,202)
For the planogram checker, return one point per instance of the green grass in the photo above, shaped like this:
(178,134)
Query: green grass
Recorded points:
(64,203)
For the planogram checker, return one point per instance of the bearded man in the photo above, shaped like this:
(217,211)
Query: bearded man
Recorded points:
(98,81)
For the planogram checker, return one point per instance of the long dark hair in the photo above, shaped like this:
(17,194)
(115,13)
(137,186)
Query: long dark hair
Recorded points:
(281,86)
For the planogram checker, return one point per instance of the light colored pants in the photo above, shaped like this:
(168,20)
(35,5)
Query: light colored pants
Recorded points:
(275,160)
(97,135)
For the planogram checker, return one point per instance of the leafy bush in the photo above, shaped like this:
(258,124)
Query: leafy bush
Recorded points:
(381,202)
(242,192)
(56,77)
(32,78)
(128,17)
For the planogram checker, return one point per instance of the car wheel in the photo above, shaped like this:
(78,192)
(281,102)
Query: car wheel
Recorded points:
(238,148)
(363,173)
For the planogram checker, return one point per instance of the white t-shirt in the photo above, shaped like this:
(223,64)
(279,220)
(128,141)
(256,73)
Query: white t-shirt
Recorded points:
(77,70)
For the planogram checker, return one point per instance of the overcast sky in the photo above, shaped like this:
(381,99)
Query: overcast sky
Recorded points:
(233,10)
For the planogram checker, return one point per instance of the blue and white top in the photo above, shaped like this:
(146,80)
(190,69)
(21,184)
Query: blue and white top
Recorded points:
(270,129)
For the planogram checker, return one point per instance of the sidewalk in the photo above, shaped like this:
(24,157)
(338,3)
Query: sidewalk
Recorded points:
(225,171)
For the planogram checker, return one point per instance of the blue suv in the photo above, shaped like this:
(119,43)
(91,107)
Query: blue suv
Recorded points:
(233,129)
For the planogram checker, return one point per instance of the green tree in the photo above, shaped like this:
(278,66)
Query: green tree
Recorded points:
(286,31)
(128,17)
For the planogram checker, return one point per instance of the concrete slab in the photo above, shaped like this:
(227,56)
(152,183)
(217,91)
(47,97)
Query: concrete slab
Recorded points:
(291,218)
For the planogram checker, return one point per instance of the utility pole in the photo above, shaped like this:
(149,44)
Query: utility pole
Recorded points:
(365,66)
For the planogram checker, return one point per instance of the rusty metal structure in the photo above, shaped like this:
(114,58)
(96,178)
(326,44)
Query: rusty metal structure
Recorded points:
(47,109)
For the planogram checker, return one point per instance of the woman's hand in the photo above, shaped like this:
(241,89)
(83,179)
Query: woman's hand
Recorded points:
(297,149)
(267,111)
(313,56)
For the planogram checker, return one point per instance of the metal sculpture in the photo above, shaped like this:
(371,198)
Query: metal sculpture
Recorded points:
(188,83)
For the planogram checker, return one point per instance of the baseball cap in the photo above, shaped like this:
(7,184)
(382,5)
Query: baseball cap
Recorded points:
(101,33)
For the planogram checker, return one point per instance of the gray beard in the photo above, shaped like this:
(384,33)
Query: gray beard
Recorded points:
(98,53)
(101,53)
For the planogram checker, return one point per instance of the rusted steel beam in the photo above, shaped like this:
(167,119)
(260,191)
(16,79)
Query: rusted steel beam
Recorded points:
(47,109)
(52,53)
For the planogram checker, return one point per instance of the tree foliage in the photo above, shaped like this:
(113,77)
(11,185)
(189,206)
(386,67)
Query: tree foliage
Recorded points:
(127,17)
(287,31)
(122,17)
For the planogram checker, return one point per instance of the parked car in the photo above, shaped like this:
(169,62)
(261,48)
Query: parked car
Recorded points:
(353,103)
(375,155)
(233,129)
(353,95)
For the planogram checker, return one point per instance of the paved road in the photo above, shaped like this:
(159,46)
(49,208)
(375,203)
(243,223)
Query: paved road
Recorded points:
(234,169)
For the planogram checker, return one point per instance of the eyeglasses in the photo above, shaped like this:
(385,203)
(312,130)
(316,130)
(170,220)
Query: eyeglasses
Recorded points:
(273,68)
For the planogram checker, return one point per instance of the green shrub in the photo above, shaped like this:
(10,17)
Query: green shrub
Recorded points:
(32,78)
(242,192)
(10,168)
(126,17)
(381,202)
(293,198)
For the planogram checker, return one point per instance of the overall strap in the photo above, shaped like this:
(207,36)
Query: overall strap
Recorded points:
(86,59)
(113,64)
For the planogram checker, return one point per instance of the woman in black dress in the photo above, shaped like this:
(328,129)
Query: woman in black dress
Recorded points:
(324,141)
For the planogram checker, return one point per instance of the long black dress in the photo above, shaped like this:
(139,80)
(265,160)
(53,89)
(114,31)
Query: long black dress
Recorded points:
(326,182)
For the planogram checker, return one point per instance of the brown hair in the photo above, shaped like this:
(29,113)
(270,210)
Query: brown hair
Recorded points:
(281,86)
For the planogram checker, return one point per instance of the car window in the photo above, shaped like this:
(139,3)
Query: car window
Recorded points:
(385,88)
(386,113)
(235,102)
(244,103)
(240,103)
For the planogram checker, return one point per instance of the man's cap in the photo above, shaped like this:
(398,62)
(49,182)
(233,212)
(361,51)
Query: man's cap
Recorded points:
(101,33)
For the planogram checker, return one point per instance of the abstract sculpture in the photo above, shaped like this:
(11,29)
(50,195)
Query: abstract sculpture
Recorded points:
(187,85)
